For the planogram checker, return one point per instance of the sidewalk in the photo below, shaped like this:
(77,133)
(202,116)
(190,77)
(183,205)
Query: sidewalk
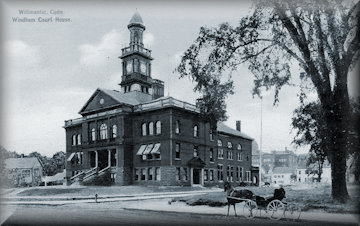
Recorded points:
(63,200)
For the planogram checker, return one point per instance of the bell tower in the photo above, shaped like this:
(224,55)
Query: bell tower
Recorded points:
(136,61)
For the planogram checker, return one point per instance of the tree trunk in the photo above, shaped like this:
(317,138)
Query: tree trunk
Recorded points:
(336,114)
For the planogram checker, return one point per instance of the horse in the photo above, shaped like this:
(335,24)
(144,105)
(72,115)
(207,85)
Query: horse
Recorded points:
(231,192)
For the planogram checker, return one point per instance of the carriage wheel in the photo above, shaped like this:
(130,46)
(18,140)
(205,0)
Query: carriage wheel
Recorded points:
(293,211)
(250,209)
(276,209)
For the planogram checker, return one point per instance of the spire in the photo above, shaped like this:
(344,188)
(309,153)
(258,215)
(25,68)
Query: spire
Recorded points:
(136,20)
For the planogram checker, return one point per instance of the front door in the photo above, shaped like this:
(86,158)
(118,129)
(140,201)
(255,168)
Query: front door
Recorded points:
(196,176)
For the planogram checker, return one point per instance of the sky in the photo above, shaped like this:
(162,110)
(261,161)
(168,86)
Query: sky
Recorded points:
(50,69)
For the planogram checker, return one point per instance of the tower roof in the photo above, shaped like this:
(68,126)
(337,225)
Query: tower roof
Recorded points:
(136,19)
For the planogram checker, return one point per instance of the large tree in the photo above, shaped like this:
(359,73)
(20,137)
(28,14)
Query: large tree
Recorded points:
(322,37)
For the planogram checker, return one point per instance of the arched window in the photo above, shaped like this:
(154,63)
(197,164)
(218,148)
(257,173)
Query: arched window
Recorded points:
(79,139)
(103,132)
(114,131)
(177,127)
(74,140)
(158,127)
(239,147)
(151,128)
(93,134)
(143,129)
(196,131)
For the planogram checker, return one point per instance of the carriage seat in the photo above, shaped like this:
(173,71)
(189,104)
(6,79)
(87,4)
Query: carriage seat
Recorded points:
(279,194)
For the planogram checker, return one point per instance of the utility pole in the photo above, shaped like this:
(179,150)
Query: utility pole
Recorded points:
(261,128)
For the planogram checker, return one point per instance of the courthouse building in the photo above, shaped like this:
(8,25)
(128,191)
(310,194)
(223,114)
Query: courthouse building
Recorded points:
(136,135)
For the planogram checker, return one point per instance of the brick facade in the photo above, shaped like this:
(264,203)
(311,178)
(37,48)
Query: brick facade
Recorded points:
(144,138)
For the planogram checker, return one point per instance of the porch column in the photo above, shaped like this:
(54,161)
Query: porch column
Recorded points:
(202,177)
(109,157)
(191,176)
(96,159)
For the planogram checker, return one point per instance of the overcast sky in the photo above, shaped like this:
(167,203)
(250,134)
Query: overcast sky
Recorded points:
(52,68)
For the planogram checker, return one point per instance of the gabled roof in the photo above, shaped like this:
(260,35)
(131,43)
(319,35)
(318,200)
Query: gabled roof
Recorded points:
(222,128)
(282,170)
(132,98)
(119,98)
(21,163)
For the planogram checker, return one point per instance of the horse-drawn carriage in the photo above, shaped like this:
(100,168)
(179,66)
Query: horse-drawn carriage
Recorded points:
(274,206)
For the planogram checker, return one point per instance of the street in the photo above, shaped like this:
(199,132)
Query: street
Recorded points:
(109,214)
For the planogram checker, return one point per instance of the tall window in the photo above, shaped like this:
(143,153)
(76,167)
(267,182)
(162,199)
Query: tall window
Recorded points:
(151,128)
(219,143)
(143,174)
(177,127)
(239,156)
(158,127)
(196,151)
(228,173)
(211,155)
(248,176)
(157,173)
(78,139)
(114,131)
(177,151)
(206,175)
(103,132)
(230,155)
(232,173)
(137,174)
(241,173)
(185,175)
(220,172)
(150,173)
(237,173)
(73,140)
(93,134)
(143,129)
(196,131)
(177,173)
(211,175)
(211,135)
(220,153)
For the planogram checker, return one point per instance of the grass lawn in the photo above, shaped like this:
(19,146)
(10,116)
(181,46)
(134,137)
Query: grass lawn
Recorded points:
(308,197)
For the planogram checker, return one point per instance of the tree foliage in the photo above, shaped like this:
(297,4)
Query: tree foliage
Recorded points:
(320,36)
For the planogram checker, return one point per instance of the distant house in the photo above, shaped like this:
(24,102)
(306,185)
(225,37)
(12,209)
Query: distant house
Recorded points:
(309,174)
(282,175)
(24,171)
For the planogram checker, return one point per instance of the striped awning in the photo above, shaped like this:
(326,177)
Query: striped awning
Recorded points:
(71,157)
(148,149)
(156,149)
(141,149)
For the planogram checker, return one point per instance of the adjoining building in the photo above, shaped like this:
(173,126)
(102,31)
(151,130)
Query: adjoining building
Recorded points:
(138,136)
(25,171)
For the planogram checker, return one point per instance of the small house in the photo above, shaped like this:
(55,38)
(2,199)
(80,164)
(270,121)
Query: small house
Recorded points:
(26,171)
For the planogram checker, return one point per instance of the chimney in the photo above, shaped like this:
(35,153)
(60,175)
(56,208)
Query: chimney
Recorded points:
(238,126)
